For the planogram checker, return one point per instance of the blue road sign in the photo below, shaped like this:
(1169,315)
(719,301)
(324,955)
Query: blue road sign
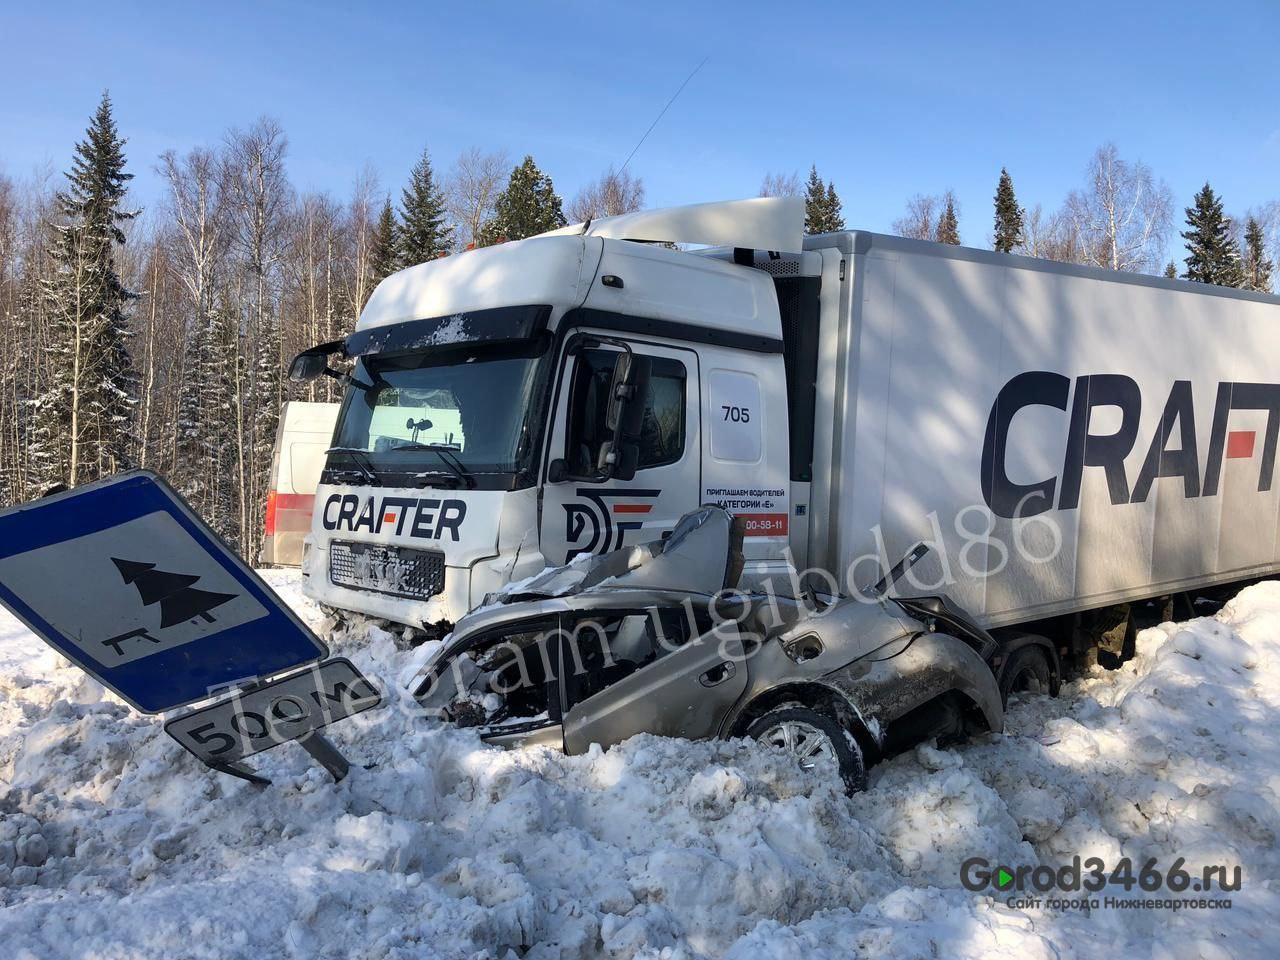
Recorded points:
(125,580)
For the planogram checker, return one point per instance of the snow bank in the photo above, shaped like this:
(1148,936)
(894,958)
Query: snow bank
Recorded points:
(114,843)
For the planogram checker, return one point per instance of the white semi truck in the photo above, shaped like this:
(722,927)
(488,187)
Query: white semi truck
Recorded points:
(1066,438)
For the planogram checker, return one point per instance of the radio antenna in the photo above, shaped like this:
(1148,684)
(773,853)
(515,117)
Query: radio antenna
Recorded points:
(663,111)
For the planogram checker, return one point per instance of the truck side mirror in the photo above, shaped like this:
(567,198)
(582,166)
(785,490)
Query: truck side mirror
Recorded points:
(628,390)
(619,455)
(629,422)
(628,459)
(631,415)
(308,365)
(619,390)
(314,362)
(618,459)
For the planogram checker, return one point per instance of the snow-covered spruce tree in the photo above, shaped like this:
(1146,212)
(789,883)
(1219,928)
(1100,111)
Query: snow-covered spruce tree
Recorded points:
(218,384)
(1008,215)
(1171,271)
(85,410)
(384,258)
(1257,265)
(1212,256)
(268,399)
(821,205)
(529,205)
(258,195)
(425,232)
(948,224)
(190,477)
(815,198)
(834,209)
(25,363)
(206,424)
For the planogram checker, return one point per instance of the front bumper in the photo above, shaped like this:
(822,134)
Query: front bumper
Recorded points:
(449,605)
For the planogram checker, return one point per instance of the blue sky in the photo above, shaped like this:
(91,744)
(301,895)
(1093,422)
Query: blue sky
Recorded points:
(887,100)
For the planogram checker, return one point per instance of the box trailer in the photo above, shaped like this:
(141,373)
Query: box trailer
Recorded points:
(1072,437)
(1065,437)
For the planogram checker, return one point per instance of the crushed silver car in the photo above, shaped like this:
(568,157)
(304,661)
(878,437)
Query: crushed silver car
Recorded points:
(655,639)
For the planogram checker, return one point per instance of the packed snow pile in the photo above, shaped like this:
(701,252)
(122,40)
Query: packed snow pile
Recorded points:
(115,843)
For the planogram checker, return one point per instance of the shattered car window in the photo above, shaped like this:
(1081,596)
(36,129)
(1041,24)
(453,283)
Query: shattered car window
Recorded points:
(512,679)
(603,651)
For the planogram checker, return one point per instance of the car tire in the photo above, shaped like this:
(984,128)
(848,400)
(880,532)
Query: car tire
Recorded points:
(1027,668)
(795,729)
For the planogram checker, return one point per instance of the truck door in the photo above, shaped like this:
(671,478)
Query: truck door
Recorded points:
(585,517)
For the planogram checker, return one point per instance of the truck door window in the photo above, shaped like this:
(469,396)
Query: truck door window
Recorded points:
(661,436)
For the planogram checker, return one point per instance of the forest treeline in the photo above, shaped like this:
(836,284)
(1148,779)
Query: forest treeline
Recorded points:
(159,338)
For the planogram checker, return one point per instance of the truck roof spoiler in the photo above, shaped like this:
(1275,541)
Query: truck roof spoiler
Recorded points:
(761,223)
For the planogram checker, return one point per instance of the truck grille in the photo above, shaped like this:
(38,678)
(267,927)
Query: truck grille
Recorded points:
(398,571)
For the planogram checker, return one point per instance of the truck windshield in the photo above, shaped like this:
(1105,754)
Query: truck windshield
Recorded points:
(468,415)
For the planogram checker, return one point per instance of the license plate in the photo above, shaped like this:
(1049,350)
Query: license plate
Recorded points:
(262,717)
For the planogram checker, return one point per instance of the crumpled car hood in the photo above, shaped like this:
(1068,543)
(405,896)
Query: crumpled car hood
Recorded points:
(703,554)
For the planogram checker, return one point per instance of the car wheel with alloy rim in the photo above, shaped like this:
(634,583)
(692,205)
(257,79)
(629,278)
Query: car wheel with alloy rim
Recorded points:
(816,742)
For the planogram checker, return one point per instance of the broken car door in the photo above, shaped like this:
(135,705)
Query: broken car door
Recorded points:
(647,671)
(505,683)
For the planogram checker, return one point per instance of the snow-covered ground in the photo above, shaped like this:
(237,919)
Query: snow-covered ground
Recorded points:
(115,843)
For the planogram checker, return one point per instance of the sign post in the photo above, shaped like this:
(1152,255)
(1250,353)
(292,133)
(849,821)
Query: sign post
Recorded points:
(127,582)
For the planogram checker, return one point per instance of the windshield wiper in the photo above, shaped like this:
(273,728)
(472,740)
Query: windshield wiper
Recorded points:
(360,458)
(447,457)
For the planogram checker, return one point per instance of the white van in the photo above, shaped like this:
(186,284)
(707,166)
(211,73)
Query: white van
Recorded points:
(301,441)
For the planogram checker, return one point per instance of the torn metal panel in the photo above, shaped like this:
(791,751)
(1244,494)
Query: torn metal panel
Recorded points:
(638,641)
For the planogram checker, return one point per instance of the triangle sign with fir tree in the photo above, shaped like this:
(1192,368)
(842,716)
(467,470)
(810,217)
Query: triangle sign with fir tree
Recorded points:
(178,599)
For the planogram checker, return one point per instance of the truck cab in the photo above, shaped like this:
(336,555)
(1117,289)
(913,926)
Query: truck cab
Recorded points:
(512,407)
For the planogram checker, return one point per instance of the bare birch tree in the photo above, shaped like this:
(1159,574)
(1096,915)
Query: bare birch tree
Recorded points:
(1048,236)
(924,213)
(920,222)
(615,193)
(254,180)
(470,190)
(1121,219)
(359,228)
(196,211)
(781,185)
(312,268)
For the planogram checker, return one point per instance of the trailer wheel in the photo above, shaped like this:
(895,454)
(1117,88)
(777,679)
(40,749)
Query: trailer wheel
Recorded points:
(1027,669)
(813,739)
